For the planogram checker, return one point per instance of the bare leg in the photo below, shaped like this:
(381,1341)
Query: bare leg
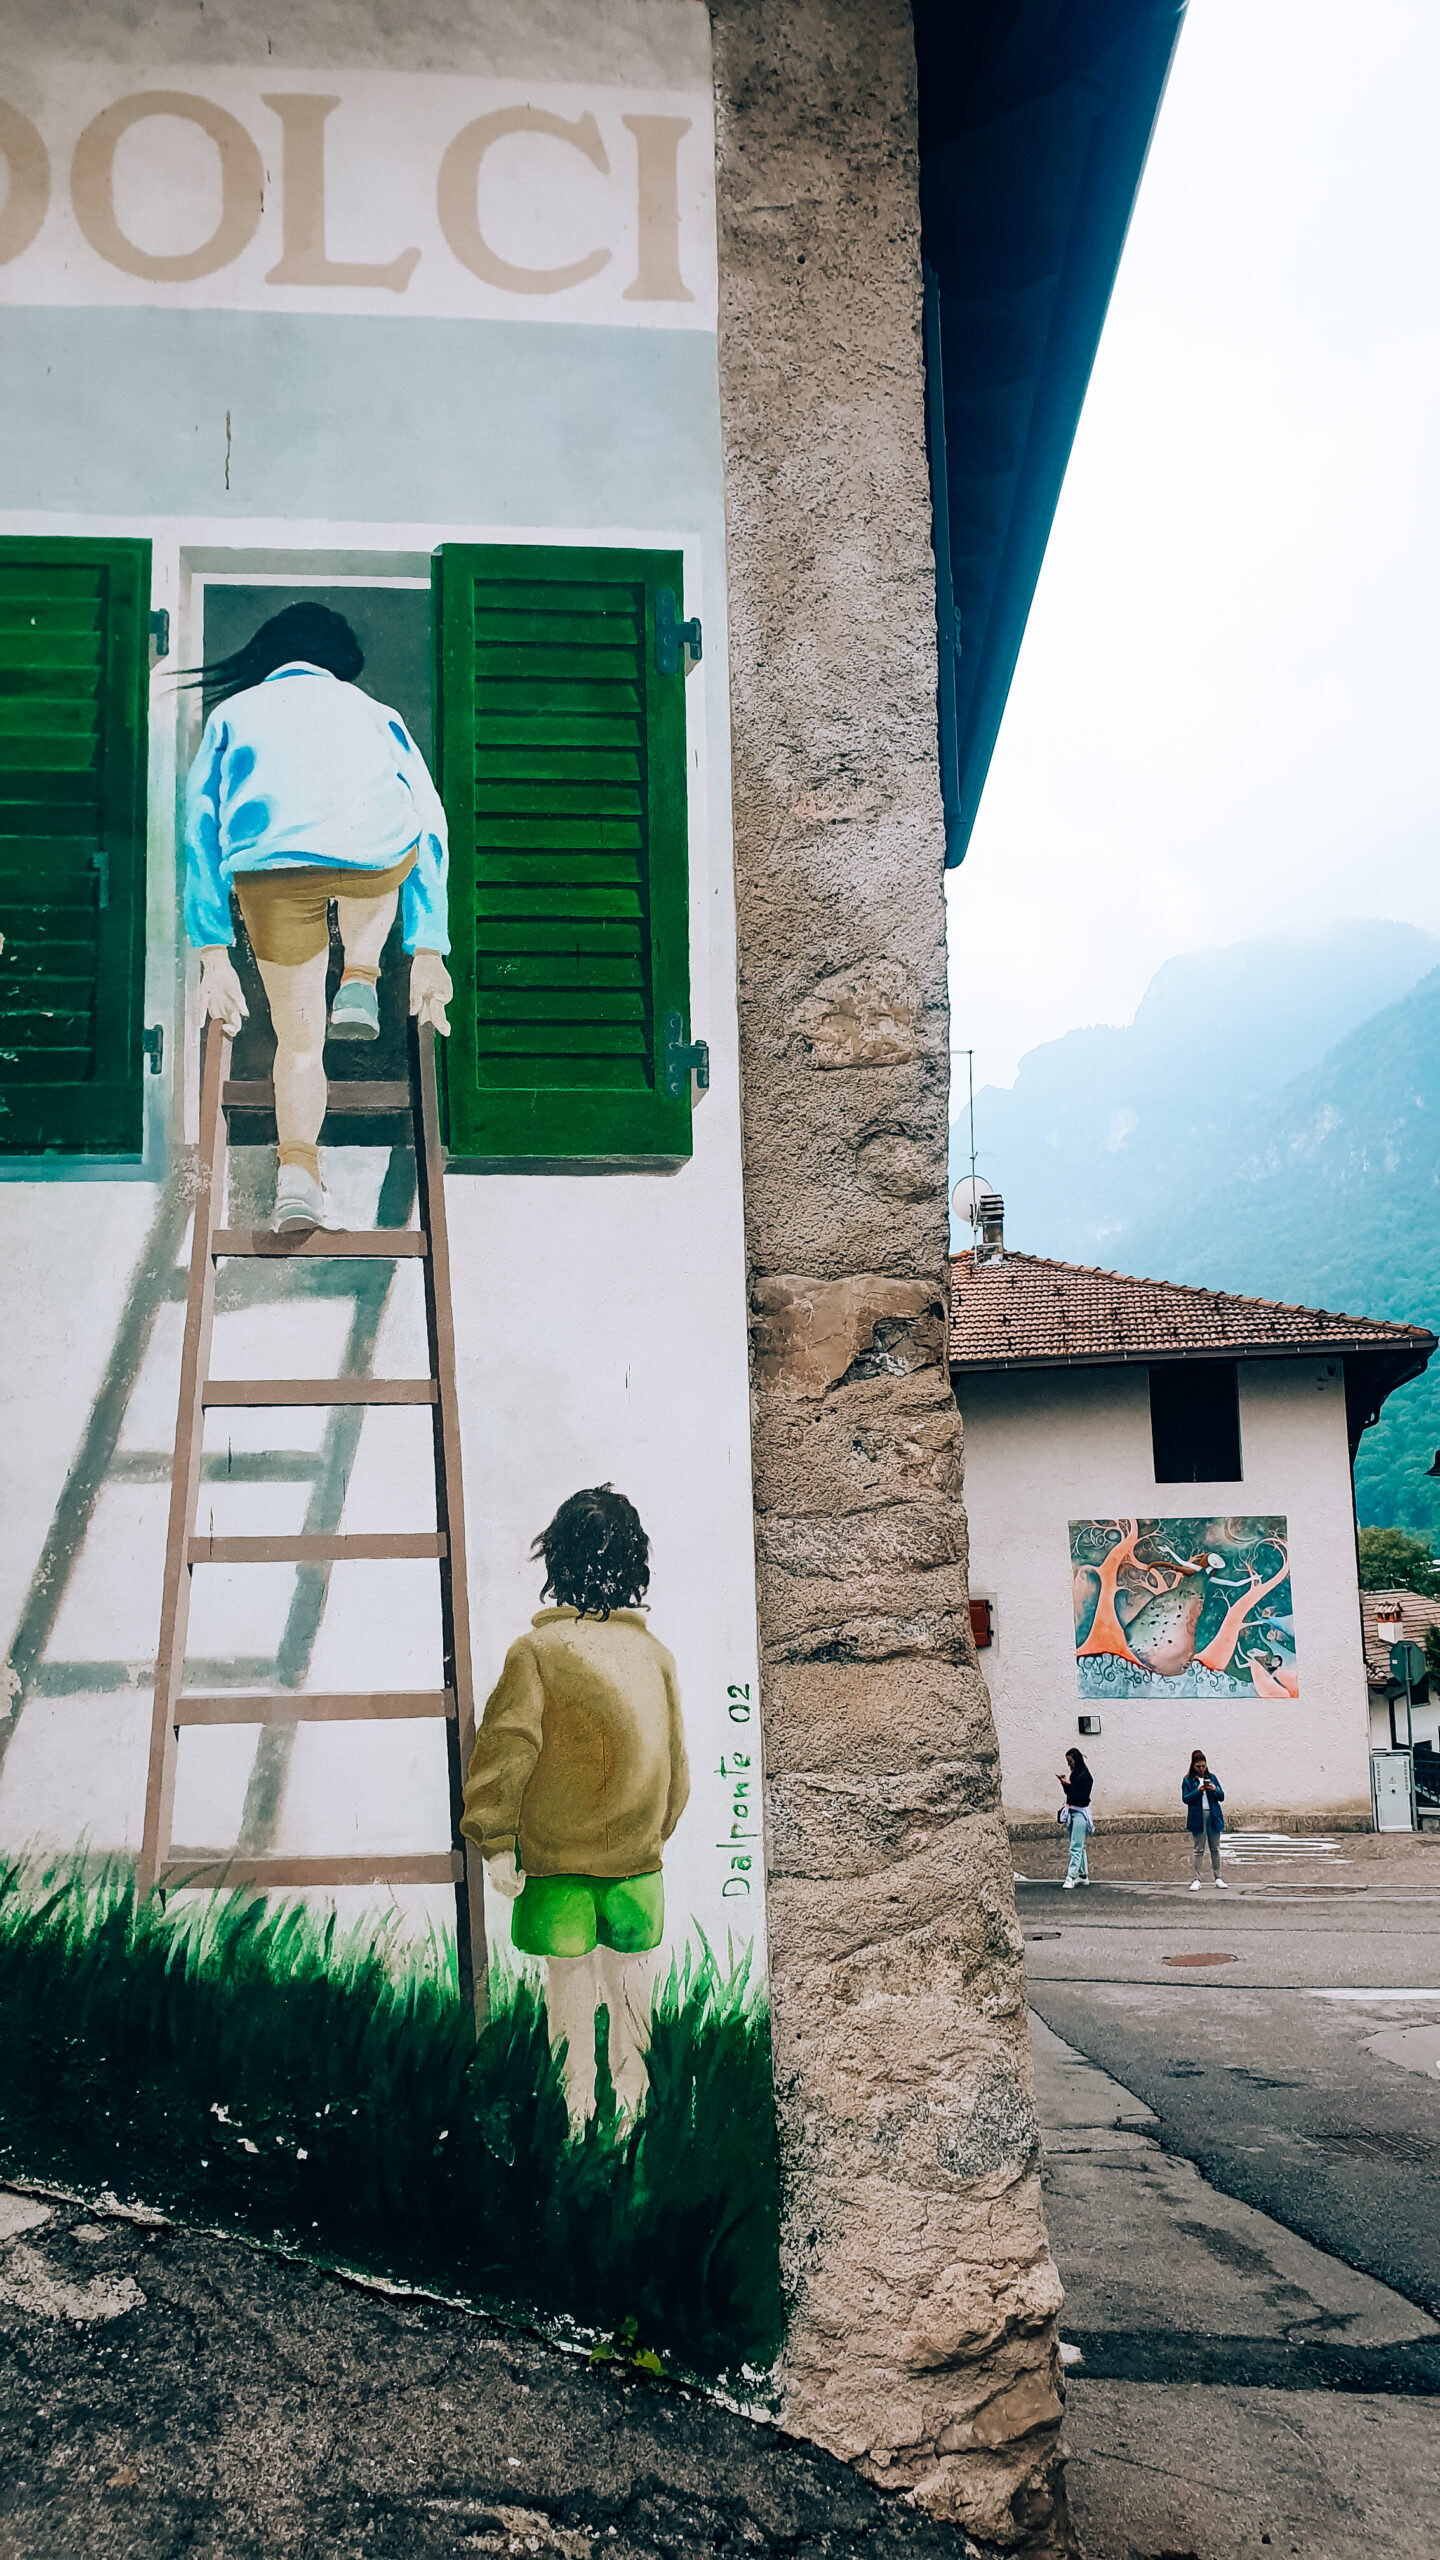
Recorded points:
(364,925)
(571,2000)
(297,1009)
(626,1985)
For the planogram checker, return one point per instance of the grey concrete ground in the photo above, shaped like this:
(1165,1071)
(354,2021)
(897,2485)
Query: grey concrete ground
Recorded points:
(1276,2068)
(1249,2381)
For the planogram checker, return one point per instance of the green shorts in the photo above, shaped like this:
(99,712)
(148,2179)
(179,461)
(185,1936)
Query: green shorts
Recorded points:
(569,1915)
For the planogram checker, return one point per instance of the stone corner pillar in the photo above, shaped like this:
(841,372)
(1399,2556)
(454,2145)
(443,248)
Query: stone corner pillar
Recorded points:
(922,2336)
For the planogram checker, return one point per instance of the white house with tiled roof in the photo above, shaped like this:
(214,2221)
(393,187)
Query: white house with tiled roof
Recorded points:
(1389,1618)
(1162,1535)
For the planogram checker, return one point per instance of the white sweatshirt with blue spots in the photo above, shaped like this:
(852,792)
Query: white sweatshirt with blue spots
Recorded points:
(306,771)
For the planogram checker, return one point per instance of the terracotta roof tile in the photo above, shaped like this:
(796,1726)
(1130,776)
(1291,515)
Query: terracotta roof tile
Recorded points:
(1024,1308)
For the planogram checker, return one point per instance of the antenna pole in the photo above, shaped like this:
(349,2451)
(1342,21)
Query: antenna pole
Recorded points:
(969,1057)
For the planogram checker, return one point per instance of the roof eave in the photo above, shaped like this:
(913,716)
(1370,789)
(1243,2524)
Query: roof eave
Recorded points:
(1411,1358)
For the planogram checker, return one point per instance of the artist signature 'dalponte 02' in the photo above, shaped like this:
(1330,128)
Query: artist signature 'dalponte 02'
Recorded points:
(653,213)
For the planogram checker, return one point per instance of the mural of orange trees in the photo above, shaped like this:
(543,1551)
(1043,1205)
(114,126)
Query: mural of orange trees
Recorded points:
(1187,1608)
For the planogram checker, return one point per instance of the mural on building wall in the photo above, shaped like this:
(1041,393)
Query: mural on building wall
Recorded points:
(592,2143)
(1183,1608)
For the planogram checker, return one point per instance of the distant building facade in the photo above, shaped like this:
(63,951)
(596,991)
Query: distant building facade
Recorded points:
(1404,1617)
(1162,1535)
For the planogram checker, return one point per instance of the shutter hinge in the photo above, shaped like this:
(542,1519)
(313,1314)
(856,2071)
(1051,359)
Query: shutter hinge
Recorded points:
(672,635)
(152,1041)
(681,1056)
(160,632)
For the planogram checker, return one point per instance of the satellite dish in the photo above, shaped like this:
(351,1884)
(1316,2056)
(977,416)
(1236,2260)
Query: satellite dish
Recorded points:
(966,1197)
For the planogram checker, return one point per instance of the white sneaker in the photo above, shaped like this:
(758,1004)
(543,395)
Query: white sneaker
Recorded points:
(355,1013)
(1195,1886)
(1069,1885)
(300,1201)
(1224,1888)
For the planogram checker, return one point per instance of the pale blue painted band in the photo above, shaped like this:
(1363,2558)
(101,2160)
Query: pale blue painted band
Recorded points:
(122,412)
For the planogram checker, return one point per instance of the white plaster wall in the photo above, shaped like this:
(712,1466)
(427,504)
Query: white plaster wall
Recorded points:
(1042,1449)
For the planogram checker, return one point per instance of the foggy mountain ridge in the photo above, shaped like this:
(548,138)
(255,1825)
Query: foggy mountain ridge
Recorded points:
(1331,1198)
(1106,1126)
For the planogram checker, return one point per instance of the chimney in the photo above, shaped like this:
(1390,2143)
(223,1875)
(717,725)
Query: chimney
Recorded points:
(990,1218)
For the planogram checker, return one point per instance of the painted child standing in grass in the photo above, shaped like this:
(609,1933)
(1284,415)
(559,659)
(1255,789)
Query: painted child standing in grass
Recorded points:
(577,1780)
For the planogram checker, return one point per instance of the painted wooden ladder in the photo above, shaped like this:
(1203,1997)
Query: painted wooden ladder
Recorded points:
(161,1864)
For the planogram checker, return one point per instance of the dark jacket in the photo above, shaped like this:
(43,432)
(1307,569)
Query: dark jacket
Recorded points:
(1080,1787)
(1193,1795)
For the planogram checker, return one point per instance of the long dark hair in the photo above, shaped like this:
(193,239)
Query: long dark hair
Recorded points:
(308,631)
(1194,1756)
(1078,1768)
(597,1556)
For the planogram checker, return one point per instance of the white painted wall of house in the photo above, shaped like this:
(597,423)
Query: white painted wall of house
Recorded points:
(1043,1448)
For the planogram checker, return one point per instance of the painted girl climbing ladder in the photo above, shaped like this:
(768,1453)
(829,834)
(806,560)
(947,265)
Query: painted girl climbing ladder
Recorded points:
(305,791)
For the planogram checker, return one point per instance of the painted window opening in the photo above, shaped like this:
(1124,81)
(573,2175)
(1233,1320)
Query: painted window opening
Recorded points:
(562,767)
(392,627)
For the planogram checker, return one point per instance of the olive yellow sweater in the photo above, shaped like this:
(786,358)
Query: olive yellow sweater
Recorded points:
(579,1764)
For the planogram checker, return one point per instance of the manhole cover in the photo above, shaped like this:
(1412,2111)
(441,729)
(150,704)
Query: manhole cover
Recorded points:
(1197,1959)
(1368,2142)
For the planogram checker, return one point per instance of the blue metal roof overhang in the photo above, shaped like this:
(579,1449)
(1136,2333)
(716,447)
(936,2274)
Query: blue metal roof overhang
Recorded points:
(1035,118)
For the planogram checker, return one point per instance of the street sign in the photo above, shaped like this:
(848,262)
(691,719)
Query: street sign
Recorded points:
(1407,1664)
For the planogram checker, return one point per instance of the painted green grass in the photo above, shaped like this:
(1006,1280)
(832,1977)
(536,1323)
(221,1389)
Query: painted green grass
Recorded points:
(248,2065)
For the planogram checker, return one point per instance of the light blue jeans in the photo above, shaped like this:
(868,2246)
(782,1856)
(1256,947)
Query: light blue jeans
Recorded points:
(1077,1867)
(1206,1838)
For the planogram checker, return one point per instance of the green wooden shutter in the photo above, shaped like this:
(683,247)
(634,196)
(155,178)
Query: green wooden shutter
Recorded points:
(74,656)
(562,767)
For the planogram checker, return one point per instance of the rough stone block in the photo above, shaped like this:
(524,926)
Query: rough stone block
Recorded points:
(809,1334)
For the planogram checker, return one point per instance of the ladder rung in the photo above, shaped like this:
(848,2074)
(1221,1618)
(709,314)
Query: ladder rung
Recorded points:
(370,1244)
(317,1547)
(300,1706)
(213,1873)
(218,1391)
(339,1097)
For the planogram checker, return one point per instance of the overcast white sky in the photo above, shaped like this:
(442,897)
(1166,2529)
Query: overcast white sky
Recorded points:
(1225,714)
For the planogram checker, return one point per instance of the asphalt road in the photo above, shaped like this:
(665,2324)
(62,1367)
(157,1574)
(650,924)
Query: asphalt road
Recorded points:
(1321,2111)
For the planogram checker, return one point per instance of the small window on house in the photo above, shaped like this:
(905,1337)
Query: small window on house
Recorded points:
(1195,1422)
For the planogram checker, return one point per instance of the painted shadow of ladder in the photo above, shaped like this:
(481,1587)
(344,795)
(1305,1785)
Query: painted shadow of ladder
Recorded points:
(267,1690)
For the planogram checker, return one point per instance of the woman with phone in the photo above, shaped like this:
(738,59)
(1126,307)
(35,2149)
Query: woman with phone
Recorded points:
(1202,1796)
(1079,1786)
